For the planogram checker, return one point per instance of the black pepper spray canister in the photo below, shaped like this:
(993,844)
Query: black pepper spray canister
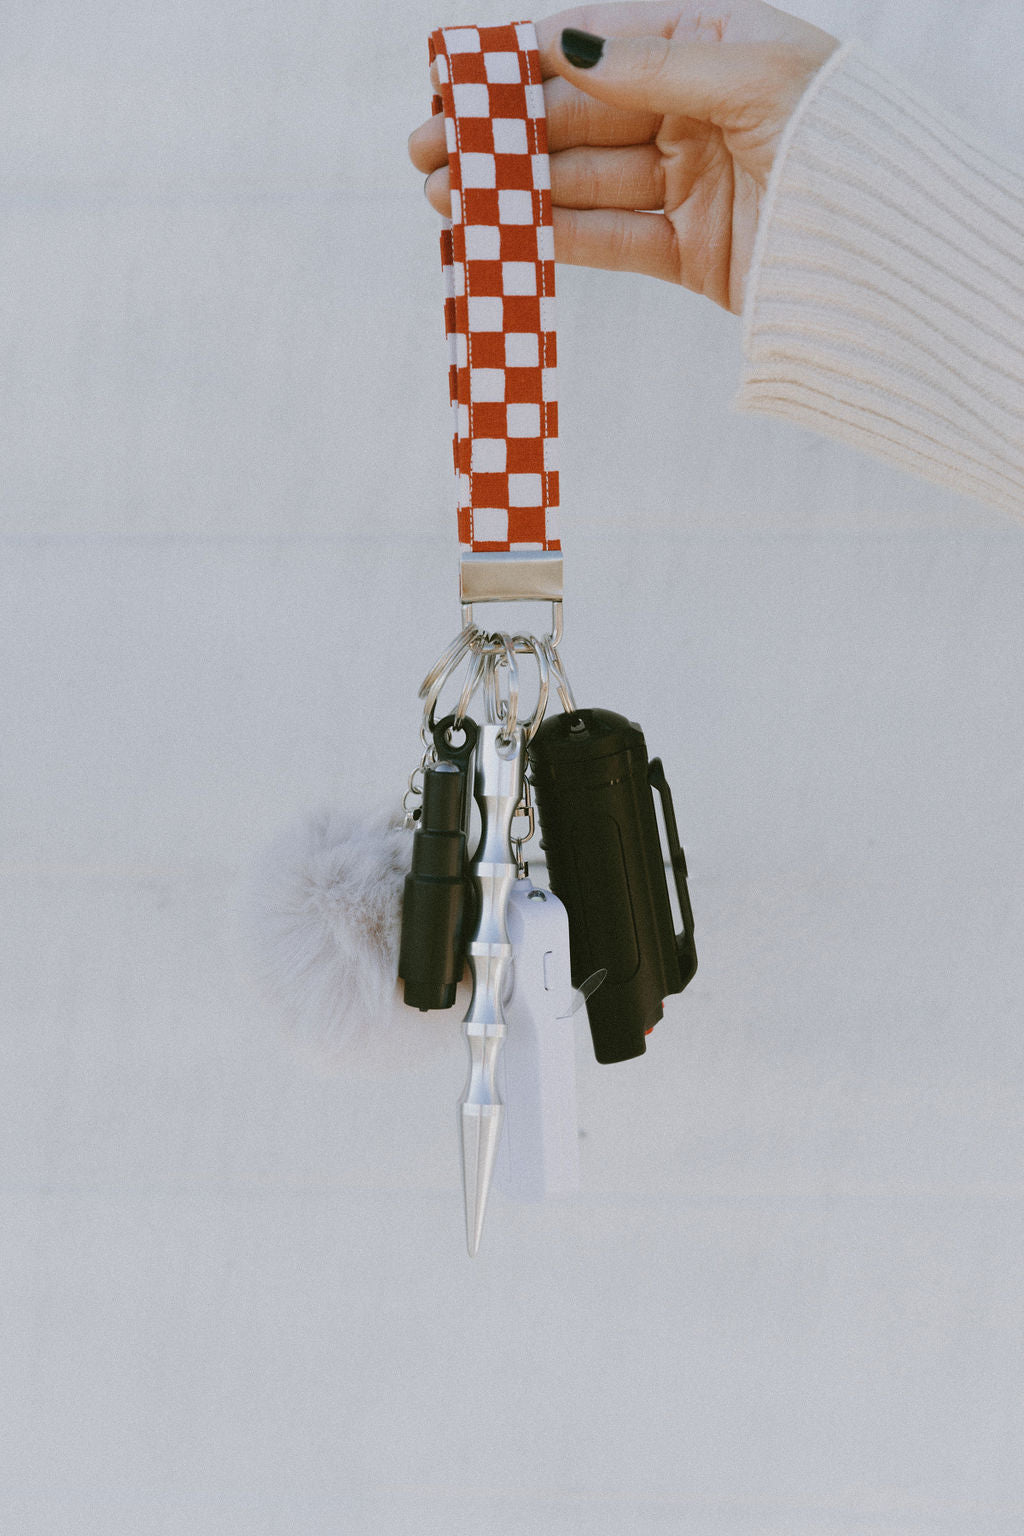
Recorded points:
(594,789)
(432,950)
(438,906)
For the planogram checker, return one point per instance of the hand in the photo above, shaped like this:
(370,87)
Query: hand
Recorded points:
(682,113)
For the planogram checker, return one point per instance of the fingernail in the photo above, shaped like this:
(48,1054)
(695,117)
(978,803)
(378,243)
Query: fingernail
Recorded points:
(582,49)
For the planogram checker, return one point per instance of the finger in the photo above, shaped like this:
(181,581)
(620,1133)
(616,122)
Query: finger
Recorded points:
(617,241)
(670,76)
(585,178)
(437,189)
(629,20)
(608,178)
(427,146)
(572,116)
(742,21)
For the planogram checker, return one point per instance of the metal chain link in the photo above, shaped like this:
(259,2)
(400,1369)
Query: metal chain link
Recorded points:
(524,812)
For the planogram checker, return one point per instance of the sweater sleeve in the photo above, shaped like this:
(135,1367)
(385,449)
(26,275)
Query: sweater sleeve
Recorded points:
(885,300)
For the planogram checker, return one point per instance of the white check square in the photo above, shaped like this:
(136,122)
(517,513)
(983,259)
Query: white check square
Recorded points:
(471,100)
(483,242)
(487,384)
(535,100)
(524,491)
(545,242)
(515,207)
(490,523)
(489,455)
(462,39)
(541,171)
(518,279)
(502,68)
(521,350)
(485,314)
(478,171)
(523,421)
(509,136)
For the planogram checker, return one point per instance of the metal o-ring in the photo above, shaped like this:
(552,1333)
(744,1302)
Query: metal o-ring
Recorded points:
(463,642)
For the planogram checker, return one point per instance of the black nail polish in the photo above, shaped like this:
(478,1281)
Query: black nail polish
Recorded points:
(582,49)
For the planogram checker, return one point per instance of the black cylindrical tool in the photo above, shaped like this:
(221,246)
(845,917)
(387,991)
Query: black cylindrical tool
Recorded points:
(433,950)
(593,787)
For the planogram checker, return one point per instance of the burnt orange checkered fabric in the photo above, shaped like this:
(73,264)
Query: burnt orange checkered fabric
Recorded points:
(498,260)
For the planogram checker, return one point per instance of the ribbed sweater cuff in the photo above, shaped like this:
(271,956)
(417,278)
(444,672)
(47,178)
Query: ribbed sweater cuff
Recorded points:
(885,300)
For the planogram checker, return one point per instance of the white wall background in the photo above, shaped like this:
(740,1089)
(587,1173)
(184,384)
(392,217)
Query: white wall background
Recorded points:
(234,1293)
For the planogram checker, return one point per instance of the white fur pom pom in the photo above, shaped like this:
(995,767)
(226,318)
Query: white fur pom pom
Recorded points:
(325,917)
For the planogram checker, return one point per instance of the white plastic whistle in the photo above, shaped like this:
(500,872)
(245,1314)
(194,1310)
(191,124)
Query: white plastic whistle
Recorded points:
(538,1156)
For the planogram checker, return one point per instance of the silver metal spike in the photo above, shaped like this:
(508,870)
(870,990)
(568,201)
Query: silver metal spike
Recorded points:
(498,788)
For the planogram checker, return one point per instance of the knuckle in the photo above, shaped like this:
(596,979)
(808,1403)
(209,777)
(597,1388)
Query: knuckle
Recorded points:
(621,246)
(654,56)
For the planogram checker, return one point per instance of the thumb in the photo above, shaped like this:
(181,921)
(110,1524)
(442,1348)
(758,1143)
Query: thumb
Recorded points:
(663,75)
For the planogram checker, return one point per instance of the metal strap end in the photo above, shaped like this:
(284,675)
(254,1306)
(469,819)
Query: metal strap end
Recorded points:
(520,576)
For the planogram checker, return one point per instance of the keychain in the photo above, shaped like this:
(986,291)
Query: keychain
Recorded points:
(347,903)
(606,923)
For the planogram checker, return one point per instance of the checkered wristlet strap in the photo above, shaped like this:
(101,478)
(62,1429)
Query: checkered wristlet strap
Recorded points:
(497,257)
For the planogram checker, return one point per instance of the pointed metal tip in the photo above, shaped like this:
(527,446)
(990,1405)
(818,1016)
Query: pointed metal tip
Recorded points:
(480,1129)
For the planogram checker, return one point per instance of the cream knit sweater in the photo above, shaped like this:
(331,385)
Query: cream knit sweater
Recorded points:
(885,301)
